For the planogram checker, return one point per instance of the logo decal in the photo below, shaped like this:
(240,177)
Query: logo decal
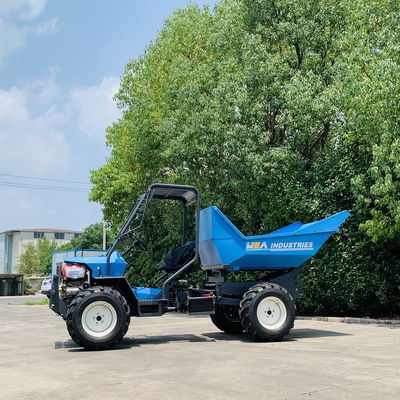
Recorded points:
(279,246)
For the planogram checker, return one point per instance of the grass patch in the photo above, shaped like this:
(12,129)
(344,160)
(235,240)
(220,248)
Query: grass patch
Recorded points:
(43,302)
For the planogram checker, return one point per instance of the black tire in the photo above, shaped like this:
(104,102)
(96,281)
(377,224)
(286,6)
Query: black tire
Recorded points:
(267,312)
(227,319)
(84,317)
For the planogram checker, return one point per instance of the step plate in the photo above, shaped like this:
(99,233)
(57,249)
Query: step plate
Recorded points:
(201,305)
(151,308)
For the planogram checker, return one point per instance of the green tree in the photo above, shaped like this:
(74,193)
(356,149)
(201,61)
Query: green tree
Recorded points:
(277,111)
(373,118)
(91,238)
(213,103)
(35,258)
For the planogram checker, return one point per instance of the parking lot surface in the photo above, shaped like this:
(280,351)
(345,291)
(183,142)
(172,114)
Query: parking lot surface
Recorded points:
(177,357)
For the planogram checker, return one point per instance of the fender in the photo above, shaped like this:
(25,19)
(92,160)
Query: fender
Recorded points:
(121,284)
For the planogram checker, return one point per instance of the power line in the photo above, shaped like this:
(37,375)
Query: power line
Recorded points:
(27,186)
(45,179)
(43,187)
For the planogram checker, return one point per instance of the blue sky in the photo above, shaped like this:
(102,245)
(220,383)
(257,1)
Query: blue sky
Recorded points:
(60,63)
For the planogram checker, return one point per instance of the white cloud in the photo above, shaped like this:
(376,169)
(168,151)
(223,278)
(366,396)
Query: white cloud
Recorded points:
(46,28)
(16,38)
(21,200)
(38,137)
(24,208)
(42,91)
(25,9)
(16,24)
(95,106)
(30,143)
(34,8)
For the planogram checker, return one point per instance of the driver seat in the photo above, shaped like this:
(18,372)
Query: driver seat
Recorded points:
(178,257)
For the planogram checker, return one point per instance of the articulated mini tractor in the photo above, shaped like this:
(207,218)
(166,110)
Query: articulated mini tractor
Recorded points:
(97,302)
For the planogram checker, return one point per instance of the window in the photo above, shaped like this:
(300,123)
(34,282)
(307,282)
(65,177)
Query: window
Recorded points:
(59,235)
(38,235)
(76,235)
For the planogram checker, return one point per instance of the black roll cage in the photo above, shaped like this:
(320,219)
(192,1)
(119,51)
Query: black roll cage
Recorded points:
(162,191)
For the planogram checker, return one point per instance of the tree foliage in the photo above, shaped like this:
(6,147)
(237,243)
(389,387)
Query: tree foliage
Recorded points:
(36,256)
(278,111)
(91,238)
(35,259)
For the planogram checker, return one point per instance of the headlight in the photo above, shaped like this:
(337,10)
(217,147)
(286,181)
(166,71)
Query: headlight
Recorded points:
(73,272)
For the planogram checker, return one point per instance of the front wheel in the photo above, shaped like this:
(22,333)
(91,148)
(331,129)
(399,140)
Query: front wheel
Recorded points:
(98,318)
(267,312)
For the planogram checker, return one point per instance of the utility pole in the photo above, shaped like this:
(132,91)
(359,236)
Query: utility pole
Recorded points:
(104,235)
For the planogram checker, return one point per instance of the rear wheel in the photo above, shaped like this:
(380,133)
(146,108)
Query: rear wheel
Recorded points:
(98,318)
(267,312)
(227,319)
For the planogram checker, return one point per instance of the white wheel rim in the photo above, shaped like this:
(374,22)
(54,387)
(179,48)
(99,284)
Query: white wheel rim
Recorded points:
(271,312)
(99,319)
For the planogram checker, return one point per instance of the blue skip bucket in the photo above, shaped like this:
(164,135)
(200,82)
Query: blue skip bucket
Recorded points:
(222,245)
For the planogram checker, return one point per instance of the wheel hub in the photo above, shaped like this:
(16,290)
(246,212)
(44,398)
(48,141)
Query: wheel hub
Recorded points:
(99,318)
(271,312)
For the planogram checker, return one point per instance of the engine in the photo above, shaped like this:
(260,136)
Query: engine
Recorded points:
(75,277)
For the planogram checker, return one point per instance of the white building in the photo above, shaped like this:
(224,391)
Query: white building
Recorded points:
(12,244)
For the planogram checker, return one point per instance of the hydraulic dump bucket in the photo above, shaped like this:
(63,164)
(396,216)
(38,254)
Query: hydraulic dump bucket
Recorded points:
(222,245)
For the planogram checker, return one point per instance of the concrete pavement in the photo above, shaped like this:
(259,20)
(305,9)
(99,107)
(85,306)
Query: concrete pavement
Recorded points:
(21,299)
(176,357)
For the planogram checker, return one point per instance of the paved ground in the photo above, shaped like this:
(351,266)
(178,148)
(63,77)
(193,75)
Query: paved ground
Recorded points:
(176,357)
(21,299)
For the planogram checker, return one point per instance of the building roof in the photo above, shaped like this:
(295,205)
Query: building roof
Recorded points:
(42,230)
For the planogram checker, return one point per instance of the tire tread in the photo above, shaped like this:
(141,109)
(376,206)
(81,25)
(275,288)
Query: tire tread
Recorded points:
(246,316)
(74,333)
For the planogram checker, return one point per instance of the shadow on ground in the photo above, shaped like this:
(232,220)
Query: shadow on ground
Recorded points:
(138,342)
(297,334)
(127,343)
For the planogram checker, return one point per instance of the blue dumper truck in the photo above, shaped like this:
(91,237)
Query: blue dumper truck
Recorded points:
(97,302)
